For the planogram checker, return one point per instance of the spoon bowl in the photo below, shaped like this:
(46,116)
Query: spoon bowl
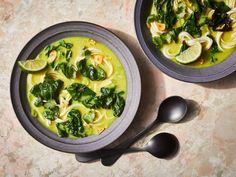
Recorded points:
(162,145)
(172,110)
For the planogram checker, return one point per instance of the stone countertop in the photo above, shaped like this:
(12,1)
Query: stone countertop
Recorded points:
(207,138)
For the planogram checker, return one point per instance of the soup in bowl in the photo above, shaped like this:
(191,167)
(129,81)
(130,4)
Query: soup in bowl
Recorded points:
(192,41)
(75,87)
(81,91)
(194,33)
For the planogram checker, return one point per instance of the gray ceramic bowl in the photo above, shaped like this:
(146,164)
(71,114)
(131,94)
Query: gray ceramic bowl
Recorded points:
(19,98)
(180,72)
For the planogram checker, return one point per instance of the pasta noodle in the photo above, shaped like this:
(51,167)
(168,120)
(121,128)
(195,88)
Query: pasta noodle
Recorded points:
(64,99)
(230,3)
(109,66)
(155,28)
(184,36)
(94,50)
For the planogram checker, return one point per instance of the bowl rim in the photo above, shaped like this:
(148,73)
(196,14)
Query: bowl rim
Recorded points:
(177,71)
(20,102)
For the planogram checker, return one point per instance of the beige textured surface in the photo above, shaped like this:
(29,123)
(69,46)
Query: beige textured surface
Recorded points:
(207,139)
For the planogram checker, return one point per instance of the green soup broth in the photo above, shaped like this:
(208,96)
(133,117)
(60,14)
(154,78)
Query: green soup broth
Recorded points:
(103,117)
(188,9)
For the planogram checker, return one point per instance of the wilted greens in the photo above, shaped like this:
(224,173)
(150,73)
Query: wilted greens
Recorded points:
(208,22)
(73,125)
(81,90)
(47,90)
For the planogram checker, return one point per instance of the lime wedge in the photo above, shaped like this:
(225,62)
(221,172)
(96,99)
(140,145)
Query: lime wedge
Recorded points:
(191,54)
(32,65)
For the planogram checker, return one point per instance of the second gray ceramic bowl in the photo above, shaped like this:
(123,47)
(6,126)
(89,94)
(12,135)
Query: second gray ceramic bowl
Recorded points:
(18,87)
(180,72)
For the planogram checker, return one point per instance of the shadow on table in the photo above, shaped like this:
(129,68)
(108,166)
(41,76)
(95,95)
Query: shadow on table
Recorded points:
(194,110)
(153,88)
(224,83)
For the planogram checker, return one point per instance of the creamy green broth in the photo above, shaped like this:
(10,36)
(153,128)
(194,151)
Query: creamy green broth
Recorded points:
(205,59)
(221,56)
(103,117)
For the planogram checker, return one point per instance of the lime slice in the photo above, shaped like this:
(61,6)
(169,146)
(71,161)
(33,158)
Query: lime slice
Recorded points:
(191,54)
(32,65)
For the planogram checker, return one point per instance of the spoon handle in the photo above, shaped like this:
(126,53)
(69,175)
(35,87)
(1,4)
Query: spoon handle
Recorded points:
(97,155)
(110,160)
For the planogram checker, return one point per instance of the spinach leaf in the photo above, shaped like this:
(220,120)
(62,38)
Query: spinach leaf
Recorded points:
(72,126)
(191,26)
(68,55)
(220,6)
(82,67)
(165,38)
(47,90)
(220,19)
(90,71)
(110,99)
(67,45)
(220,22)
(175,33)
(50,104)
(151,18)
(51,110)
(51,113)
(66,69)
(196,6)
(166,13)
(119,104)
(202,20)
(207,3)
(89,117)
(62,43)
(213,50)
(107,91)
(184,47)
(92,102)
(86,53)
(157,41)
(38,102)
(107,97)
(80,92)
(181,8)
(61,129)
(213,59)
(101,74)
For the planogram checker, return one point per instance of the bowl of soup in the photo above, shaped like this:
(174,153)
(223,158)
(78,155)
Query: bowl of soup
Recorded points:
(75,87)
(192,41)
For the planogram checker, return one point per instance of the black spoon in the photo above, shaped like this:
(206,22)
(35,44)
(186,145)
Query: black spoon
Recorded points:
(162,145)
(171,110)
